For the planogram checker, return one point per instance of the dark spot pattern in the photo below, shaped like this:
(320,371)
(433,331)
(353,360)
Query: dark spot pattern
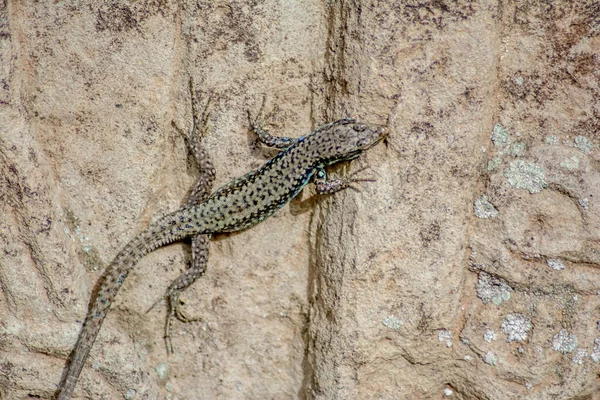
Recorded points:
(238,205)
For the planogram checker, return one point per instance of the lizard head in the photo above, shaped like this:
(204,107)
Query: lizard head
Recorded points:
(346,139)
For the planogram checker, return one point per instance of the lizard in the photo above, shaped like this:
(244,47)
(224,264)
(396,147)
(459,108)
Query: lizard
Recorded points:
(235,206)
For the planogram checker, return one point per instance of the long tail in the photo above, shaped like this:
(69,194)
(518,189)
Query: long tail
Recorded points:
(168,229)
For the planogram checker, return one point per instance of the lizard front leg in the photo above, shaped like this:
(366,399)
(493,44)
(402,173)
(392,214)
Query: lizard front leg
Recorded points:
(325,186)
(259,124)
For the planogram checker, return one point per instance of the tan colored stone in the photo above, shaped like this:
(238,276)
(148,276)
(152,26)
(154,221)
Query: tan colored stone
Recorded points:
(359,295)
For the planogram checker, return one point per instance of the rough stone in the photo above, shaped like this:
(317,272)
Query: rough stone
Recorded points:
(342,296)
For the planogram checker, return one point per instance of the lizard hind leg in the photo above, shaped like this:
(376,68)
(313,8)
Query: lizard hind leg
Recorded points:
(200,128)
(200,243)
(200,246)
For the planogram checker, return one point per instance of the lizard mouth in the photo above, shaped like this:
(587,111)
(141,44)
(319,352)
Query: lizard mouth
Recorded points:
(383,132)
(379,134)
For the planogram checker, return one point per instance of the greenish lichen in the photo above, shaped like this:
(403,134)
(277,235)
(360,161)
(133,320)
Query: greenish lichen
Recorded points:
(516,326)
(489,336)
(564,342)
(528,176)
(584,144)
(580,356)
(500,136)
(485,209)
(492,289)
(517,149)
(161,369)
(490,358)
(555,263)
(595,356)
(445,337)
(493,163)
(570,163)
(392,322)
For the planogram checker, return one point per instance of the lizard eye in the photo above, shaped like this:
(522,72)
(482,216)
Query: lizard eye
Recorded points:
(362,142)
(321,174)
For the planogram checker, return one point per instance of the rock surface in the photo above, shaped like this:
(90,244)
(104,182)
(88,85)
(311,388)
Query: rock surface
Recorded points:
(469,270)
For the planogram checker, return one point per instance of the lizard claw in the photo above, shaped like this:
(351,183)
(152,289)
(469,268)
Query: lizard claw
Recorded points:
(261,121)
(175,311)
(154,305)
(353,182)
(324,186)
(200,123)
(259,126)
(181,315)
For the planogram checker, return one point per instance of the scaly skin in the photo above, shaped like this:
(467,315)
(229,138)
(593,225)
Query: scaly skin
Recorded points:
(240,204)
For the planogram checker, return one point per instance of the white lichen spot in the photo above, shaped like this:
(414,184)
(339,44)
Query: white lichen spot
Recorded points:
(555,263)
(490,358)
(82,238)
(570,164)
(446,337)
(492,289)
(161,369)
(130,394)
(489,335)
(517,149)
(515,327)
(468,358)
(528,386)
(519,80)
(500,136)
(392,322)
(564,342)
(551,139)
(523,175)
(583,144)
(447,392)
(595,356)
(584,203)
(579,357)
(141,348)
(67,232)
(485,209)
(494,163)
